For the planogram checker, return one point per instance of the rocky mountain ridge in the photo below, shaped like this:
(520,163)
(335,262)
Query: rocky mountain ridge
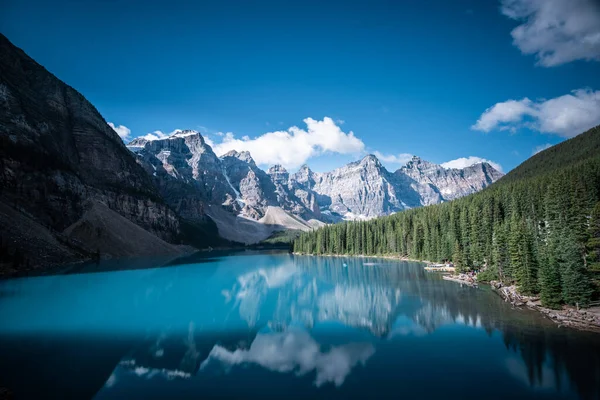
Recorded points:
(362,189)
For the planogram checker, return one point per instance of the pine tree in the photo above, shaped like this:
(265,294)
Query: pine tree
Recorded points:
(515,248)
(593,243)
(576,286)
(577,214)
(458,259)
(528,279)
(549,275)
(500,254)
(465,238)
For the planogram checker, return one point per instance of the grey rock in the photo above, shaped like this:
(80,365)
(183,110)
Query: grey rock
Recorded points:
(362,189)
(449,184)
(253,184)
(295,197)
(365,189)
(188,174)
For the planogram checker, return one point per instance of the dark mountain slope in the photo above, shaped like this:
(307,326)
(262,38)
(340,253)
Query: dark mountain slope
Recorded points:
(58,156)
(577,149)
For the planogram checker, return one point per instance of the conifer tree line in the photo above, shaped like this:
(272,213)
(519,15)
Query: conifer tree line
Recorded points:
(538,228)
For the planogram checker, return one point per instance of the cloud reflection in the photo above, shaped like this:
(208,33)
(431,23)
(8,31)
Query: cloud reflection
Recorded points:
(296,351)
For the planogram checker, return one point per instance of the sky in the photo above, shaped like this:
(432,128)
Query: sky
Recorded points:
(326,82)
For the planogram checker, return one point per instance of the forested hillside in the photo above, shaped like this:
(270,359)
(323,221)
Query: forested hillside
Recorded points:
(538,227)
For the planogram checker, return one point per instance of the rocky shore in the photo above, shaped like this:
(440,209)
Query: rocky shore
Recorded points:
(463,279)
(585,319)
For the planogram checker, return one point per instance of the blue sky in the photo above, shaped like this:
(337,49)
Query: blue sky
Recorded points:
(406,77)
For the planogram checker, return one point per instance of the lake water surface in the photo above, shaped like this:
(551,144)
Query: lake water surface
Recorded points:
(274,325)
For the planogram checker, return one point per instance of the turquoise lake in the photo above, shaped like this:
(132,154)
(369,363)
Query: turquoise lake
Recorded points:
(274,325)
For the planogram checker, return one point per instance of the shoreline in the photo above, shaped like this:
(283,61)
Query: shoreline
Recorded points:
(460,280)
(584,319)
(587,319)
(398,258)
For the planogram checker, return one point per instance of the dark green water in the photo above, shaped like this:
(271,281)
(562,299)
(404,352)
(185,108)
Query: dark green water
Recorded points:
(259,325)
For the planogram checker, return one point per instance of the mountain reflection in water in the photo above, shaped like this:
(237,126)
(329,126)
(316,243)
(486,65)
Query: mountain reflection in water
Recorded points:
(297,326)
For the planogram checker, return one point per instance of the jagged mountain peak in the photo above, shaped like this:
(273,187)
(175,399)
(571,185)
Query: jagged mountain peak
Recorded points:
(277,169)
(278,174)
(304,172)
(184,133)
(240,155)
(481,166)
(366,161)
(417,162)
(230,153)
(137,144)
(305,167)
(138,141)
(449,183)
(370,158)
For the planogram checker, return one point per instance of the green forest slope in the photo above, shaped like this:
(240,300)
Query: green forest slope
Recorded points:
(539,227)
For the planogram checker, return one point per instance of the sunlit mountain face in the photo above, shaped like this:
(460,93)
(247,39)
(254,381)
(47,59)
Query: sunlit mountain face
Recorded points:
(228,324)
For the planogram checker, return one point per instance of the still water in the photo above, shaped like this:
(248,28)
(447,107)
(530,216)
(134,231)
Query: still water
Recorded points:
(274,325)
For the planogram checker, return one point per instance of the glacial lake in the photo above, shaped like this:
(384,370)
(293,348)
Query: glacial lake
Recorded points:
(274,325)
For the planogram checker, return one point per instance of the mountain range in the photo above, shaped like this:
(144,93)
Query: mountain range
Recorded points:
(233,187)
(70,189)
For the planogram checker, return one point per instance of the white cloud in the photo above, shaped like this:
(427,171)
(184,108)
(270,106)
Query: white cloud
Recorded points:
(465,162)
(510,111)
(209,141)
(567,115)
(121,130)
(541,148)
(156,135)
(292,147)
(296,351)
(556,31)
(401,158)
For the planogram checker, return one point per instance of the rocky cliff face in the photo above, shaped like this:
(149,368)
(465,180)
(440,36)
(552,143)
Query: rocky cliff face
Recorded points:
(365,189)
(237,195)
(185,167)
(296,196)
(58,155)
(137,144)
(255,189)
(449,184)
(188,173)
(362,189)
